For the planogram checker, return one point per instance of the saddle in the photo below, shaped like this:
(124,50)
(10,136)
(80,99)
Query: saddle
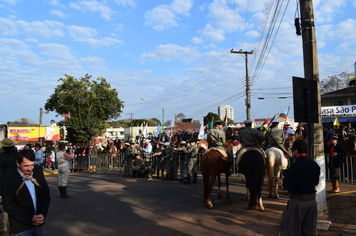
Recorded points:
(244,150)
(222,153)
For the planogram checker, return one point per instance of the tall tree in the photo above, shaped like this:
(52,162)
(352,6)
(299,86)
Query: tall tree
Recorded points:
(334,82)
(89,103)
(211,116)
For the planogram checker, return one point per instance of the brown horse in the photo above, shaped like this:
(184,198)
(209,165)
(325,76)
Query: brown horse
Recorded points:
(122,147)
(212,165)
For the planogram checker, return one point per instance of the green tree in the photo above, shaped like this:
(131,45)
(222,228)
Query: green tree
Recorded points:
(90,104)
(211,116)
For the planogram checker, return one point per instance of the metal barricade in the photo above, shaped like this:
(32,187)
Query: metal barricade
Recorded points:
(346,172)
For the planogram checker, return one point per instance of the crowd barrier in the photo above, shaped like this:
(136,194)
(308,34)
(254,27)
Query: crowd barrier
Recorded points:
(108,161)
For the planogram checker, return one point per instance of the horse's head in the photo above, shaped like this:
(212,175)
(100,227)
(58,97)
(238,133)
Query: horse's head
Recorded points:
(202,144)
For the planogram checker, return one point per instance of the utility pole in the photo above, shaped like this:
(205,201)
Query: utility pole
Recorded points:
(311,72)
(247,101)
(130,114)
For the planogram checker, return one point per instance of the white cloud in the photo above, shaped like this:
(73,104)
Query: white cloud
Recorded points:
(161,18)
(81,32)
(94,6)
(326,10)
(182,6)
(124,3)
(167,16)
(212,33)
(42,29)
(345,30)
(196,40)
(94,62)
(101,42)
(56,3)
(58,13)
(171,52)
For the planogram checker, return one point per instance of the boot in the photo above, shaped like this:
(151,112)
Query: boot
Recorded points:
(158,174)
(227,169)
(60,191)
(64,192)
(187,180)
(133,174)
(167,177)
(335,184)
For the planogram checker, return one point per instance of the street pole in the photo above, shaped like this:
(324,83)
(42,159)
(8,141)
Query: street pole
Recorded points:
(247,101)
(162,125)
(130,114)
(311,72)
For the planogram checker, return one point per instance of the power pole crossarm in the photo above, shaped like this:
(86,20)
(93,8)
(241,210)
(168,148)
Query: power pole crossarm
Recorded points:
(248,103)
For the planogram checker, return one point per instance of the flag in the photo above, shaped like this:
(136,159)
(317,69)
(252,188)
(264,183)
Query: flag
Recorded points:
(141,128)
(195,126)
(210,125)
(171,125)
(265,123)
(283,116)
(157,130)
(201,130)
(270,122)
(336,122)
(254,123)
(224,124)
(145,131)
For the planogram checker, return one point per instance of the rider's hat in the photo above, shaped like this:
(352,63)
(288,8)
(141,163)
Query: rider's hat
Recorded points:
(219,122)
(248,122)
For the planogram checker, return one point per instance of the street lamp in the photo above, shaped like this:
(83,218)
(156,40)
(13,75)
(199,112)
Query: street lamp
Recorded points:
(162,125)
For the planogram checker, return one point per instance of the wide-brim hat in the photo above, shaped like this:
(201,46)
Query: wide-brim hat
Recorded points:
(286,124)
(7,142)
(247,121)
(147,140)
(183,142)
(335,137)
(132,143)
(61,146)
(166,144)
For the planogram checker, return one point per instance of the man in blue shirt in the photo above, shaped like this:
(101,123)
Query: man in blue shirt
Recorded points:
(38,156)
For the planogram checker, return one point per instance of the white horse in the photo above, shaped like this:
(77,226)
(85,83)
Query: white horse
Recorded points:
(275,163)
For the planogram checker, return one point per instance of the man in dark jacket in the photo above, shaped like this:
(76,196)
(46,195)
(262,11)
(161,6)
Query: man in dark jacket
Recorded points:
(301,213)
(336,158)
(25,195)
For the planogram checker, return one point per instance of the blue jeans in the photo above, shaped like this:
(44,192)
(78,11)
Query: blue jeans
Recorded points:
(34,231)
(53,165)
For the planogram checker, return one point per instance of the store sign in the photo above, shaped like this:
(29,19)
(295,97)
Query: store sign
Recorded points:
(338,111)
(34,133)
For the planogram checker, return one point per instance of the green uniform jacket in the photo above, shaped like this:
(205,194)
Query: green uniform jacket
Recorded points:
(218,137)
(247,140)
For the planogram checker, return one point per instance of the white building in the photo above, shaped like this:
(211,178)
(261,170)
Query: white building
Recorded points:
(226,109)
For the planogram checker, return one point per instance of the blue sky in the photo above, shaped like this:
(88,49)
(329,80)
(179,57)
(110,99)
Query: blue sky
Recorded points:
(167,52)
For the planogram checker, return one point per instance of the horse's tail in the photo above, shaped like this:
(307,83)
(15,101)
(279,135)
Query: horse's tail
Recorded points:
(255,170)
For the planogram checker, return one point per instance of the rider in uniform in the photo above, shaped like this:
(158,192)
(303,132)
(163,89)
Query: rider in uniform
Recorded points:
(275,136)
(217,139)
(246,136)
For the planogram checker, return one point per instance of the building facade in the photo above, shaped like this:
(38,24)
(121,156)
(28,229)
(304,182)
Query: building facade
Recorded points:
(226,109)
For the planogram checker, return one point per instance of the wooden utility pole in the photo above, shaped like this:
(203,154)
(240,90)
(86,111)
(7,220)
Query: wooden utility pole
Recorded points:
(130,114)
(311,72)
(247,101)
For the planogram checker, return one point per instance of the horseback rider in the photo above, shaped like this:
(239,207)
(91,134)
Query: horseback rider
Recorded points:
(217,139)
(275,138)
(250,137)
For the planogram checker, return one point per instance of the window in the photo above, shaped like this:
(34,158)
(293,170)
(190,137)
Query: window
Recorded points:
(338,103)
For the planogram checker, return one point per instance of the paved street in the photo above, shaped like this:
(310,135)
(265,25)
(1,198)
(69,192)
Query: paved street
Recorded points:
(106,204)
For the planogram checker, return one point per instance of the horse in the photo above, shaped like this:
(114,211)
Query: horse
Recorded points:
(122,147)
(275,163)
(212,164)
(252,164)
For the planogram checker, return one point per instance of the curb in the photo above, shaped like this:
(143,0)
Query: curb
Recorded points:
(51,173)
(341,193)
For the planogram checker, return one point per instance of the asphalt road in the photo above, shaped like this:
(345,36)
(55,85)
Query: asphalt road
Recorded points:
(106,204)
